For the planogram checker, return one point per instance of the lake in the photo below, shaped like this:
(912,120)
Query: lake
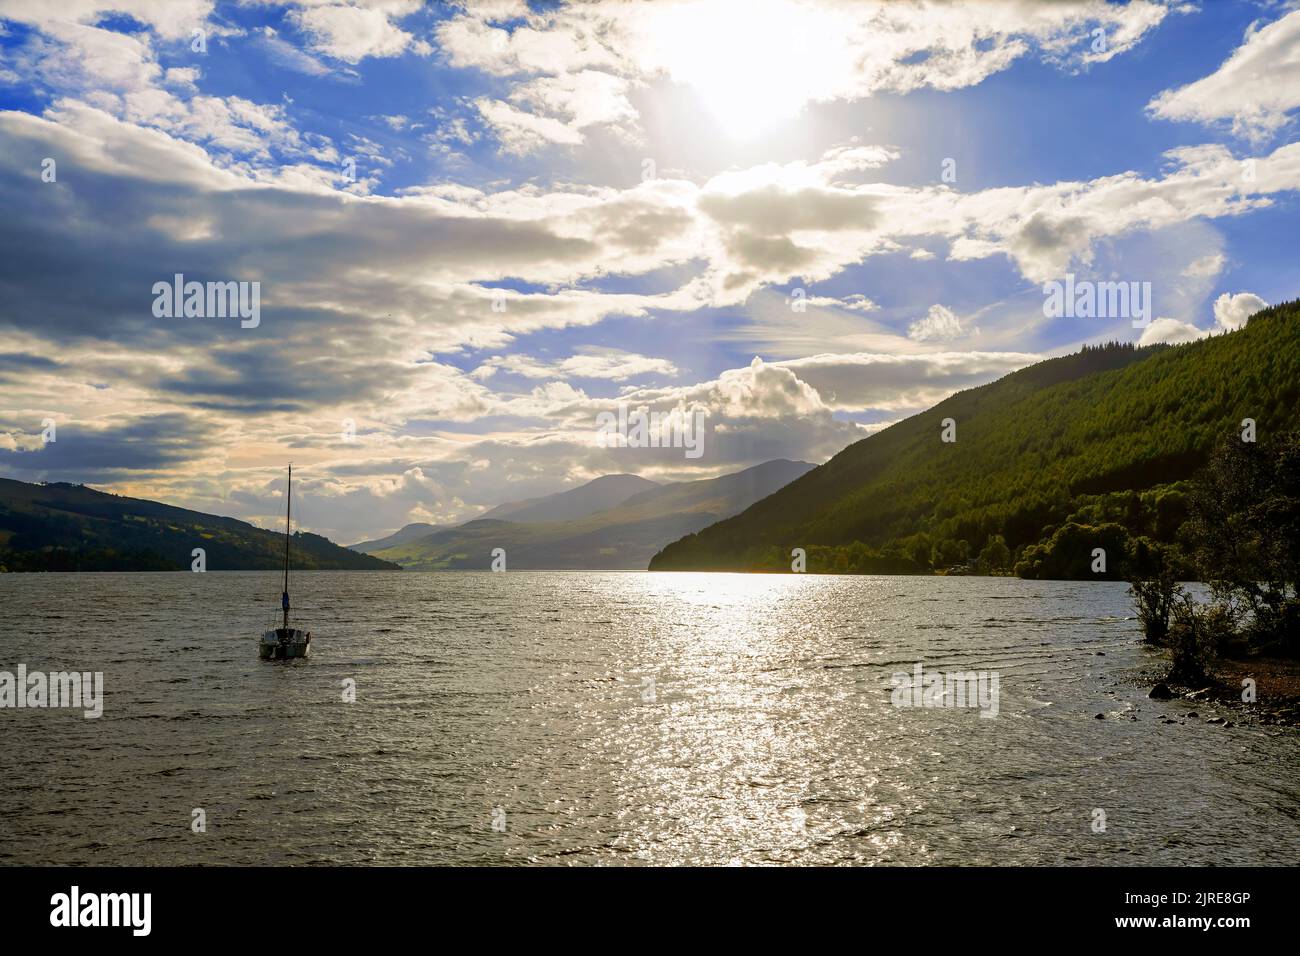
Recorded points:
(616,719)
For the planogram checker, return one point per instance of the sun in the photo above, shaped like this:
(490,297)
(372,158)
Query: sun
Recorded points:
(754,63)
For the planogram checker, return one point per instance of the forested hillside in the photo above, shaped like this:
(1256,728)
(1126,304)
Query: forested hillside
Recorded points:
(65,527)
(1094,445)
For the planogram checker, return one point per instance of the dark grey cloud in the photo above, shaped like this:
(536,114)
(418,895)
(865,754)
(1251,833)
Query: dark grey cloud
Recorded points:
(775,210)
(79,256)
(19,362)
(140,447)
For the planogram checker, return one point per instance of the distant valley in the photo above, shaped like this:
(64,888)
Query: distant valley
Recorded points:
(616,522)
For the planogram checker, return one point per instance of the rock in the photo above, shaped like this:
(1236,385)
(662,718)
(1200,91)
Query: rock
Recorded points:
(1228,723)
(1214,720)
(1161,692)
(1192,713)
(1101,716)
(1101,653)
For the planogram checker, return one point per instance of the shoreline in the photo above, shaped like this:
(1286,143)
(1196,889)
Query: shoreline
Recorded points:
(1277,691)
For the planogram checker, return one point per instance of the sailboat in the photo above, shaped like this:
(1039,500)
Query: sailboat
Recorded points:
(285,642)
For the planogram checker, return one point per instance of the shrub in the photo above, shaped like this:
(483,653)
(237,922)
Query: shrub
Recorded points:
(1196,635)
(1155,597)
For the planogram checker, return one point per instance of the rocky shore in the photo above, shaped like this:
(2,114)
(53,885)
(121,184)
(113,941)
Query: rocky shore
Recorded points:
(1276,693)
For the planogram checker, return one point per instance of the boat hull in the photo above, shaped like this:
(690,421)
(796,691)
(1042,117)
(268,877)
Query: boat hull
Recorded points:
(284,644)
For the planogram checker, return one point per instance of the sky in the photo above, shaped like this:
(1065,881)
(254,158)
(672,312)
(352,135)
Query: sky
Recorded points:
(475,227)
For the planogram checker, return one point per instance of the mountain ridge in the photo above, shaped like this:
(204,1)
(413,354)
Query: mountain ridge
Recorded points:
(407,532)
(623,537)
(598,494)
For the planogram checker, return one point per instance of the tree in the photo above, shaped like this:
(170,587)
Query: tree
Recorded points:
(1155,588)
(1069,554)
(996,556)
(1244,534)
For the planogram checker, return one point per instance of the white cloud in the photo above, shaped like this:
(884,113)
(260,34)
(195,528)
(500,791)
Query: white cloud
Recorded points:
(1206,267)
(1232,311)
(522,132)
(172,19)
(432,248)
(940,323)
(598,363)
(1254,89)
(288,56)
(352,32)
(854,303)
(1170,331)
(778,56)
(82,62)
(71,55)
(898,383)
(1045,229)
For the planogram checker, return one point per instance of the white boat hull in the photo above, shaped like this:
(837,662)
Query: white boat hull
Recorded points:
(282,644)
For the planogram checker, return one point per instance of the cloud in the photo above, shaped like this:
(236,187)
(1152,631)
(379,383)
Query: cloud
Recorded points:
(114,450)
(84,63)
(172,19)
(289,57)
(353,31)
(592,362)
(522,132)
(557,109)
(940,323)
(779,56)
(752,414)
(143,205)
(1170,331)
(853,303)
(1232,311)
(1206,267)
(1254,90)
(861,381)
(423,258)
(775,223)
(1046,229)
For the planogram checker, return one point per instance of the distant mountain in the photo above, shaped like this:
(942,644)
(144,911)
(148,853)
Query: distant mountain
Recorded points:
(596,495)
(622,537)
(63,527)
(1088,447)
(720,496)
(410,532)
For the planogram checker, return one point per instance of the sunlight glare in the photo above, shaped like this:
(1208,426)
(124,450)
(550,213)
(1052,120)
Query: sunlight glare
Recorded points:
(754,63)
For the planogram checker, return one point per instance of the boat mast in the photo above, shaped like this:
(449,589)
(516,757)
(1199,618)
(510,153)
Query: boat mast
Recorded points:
(288,505)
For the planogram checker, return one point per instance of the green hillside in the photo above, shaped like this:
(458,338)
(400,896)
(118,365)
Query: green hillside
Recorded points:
(1100,440)
(63,527)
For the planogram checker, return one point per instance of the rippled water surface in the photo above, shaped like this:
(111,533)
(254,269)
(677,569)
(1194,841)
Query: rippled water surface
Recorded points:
(615,718)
